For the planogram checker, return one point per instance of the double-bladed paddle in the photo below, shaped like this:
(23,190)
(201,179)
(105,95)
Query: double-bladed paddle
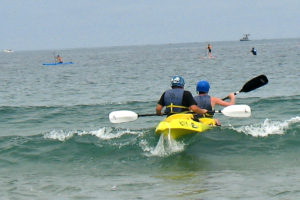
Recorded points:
(229,111)
(253,84)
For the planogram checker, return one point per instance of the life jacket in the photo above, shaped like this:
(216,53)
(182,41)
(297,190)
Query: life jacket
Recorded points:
(203,101)
(173,101)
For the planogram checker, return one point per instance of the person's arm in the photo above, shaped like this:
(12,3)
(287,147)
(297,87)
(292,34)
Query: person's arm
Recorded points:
(159,109)
(198,110)
(218,101)
(189,100)
(160,105)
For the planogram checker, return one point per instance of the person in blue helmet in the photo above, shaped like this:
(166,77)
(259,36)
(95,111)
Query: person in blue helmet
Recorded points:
(177,100)
(207,102)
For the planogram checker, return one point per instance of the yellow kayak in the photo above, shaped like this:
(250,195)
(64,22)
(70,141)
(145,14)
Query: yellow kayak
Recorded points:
(178,125)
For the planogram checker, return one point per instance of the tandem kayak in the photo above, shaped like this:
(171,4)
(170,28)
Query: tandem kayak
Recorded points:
(178,125)
(64,63)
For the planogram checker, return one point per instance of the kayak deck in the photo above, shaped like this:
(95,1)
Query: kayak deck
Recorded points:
(178,125)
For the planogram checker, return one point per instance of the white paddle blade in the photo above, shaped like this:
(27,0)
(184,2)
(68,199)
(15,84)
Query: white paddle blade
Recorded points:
(237,111)
(122,116)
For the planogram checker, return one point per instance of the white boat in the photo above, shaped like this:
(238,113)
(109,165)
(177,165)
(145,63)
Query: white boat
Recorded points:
(245,38)
(8,51)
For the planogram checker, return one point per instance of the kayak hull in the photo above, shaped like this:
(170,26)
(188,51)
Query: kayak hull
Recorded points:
(64,63)
(179,125)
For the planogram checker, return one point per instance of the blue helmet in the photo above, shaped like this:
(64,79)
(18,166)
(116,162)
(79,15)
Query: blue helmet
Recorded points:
(203,86)
(177,81)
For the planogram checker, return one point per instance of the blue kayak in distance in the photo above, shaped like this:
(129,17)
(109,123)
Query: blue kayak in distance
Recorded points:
(64,63)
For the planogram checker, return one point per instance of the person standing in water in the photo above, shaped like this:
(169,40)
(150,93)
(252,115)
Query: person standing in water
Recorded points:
(209,48)
(253,51)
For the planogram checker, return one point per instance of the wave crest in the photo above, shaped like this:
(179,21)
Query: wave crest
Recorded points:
(103,133)
(268,127)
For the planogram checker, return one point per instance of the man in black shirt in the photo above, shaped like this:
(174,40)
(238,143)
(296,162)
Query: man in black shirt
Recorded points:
(177,99)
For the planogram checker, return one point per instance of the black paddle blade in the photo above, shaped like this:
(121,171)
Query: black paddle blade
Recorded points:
(255,83)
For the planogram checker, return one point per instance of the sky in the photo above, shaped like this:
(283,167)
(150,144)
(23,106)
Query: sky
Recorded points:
(65,24)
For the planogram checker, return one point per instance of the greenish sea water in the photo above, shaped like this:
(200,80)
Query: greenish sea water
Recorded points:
(56,141)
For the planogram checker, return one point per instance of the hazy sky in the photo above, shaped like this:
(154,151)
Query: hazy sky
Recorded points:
(61,24)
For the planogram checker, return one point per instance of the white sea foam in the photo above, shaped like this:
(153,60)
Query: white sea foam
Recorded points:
(102,133)
(59,135)
(166,147)
(107,133)
(268,127)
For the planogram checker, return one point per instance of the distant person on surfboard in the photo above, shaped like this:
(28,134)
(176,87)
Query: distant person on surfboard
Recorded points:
(207,102)
(59,59)
(253,51)
(209,48)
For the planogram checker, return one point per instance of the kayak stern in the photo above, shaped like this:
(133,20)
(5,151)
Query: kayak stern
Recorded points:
(178,125)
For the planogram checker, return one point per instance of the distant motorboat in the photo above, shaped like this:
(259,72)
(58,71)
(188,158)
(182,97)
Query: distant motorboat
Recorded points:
(245,38)
(8,51)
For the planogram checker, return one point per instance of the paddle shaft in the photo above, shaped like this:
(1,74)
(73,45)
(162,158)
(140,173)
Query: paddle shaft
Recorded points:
(228,96)
(146,115)
(214,111)
(209,112)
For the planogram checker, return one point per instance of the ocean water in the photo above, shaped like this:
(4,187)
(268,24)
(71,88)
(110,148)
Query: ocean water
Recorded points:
(56,141)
